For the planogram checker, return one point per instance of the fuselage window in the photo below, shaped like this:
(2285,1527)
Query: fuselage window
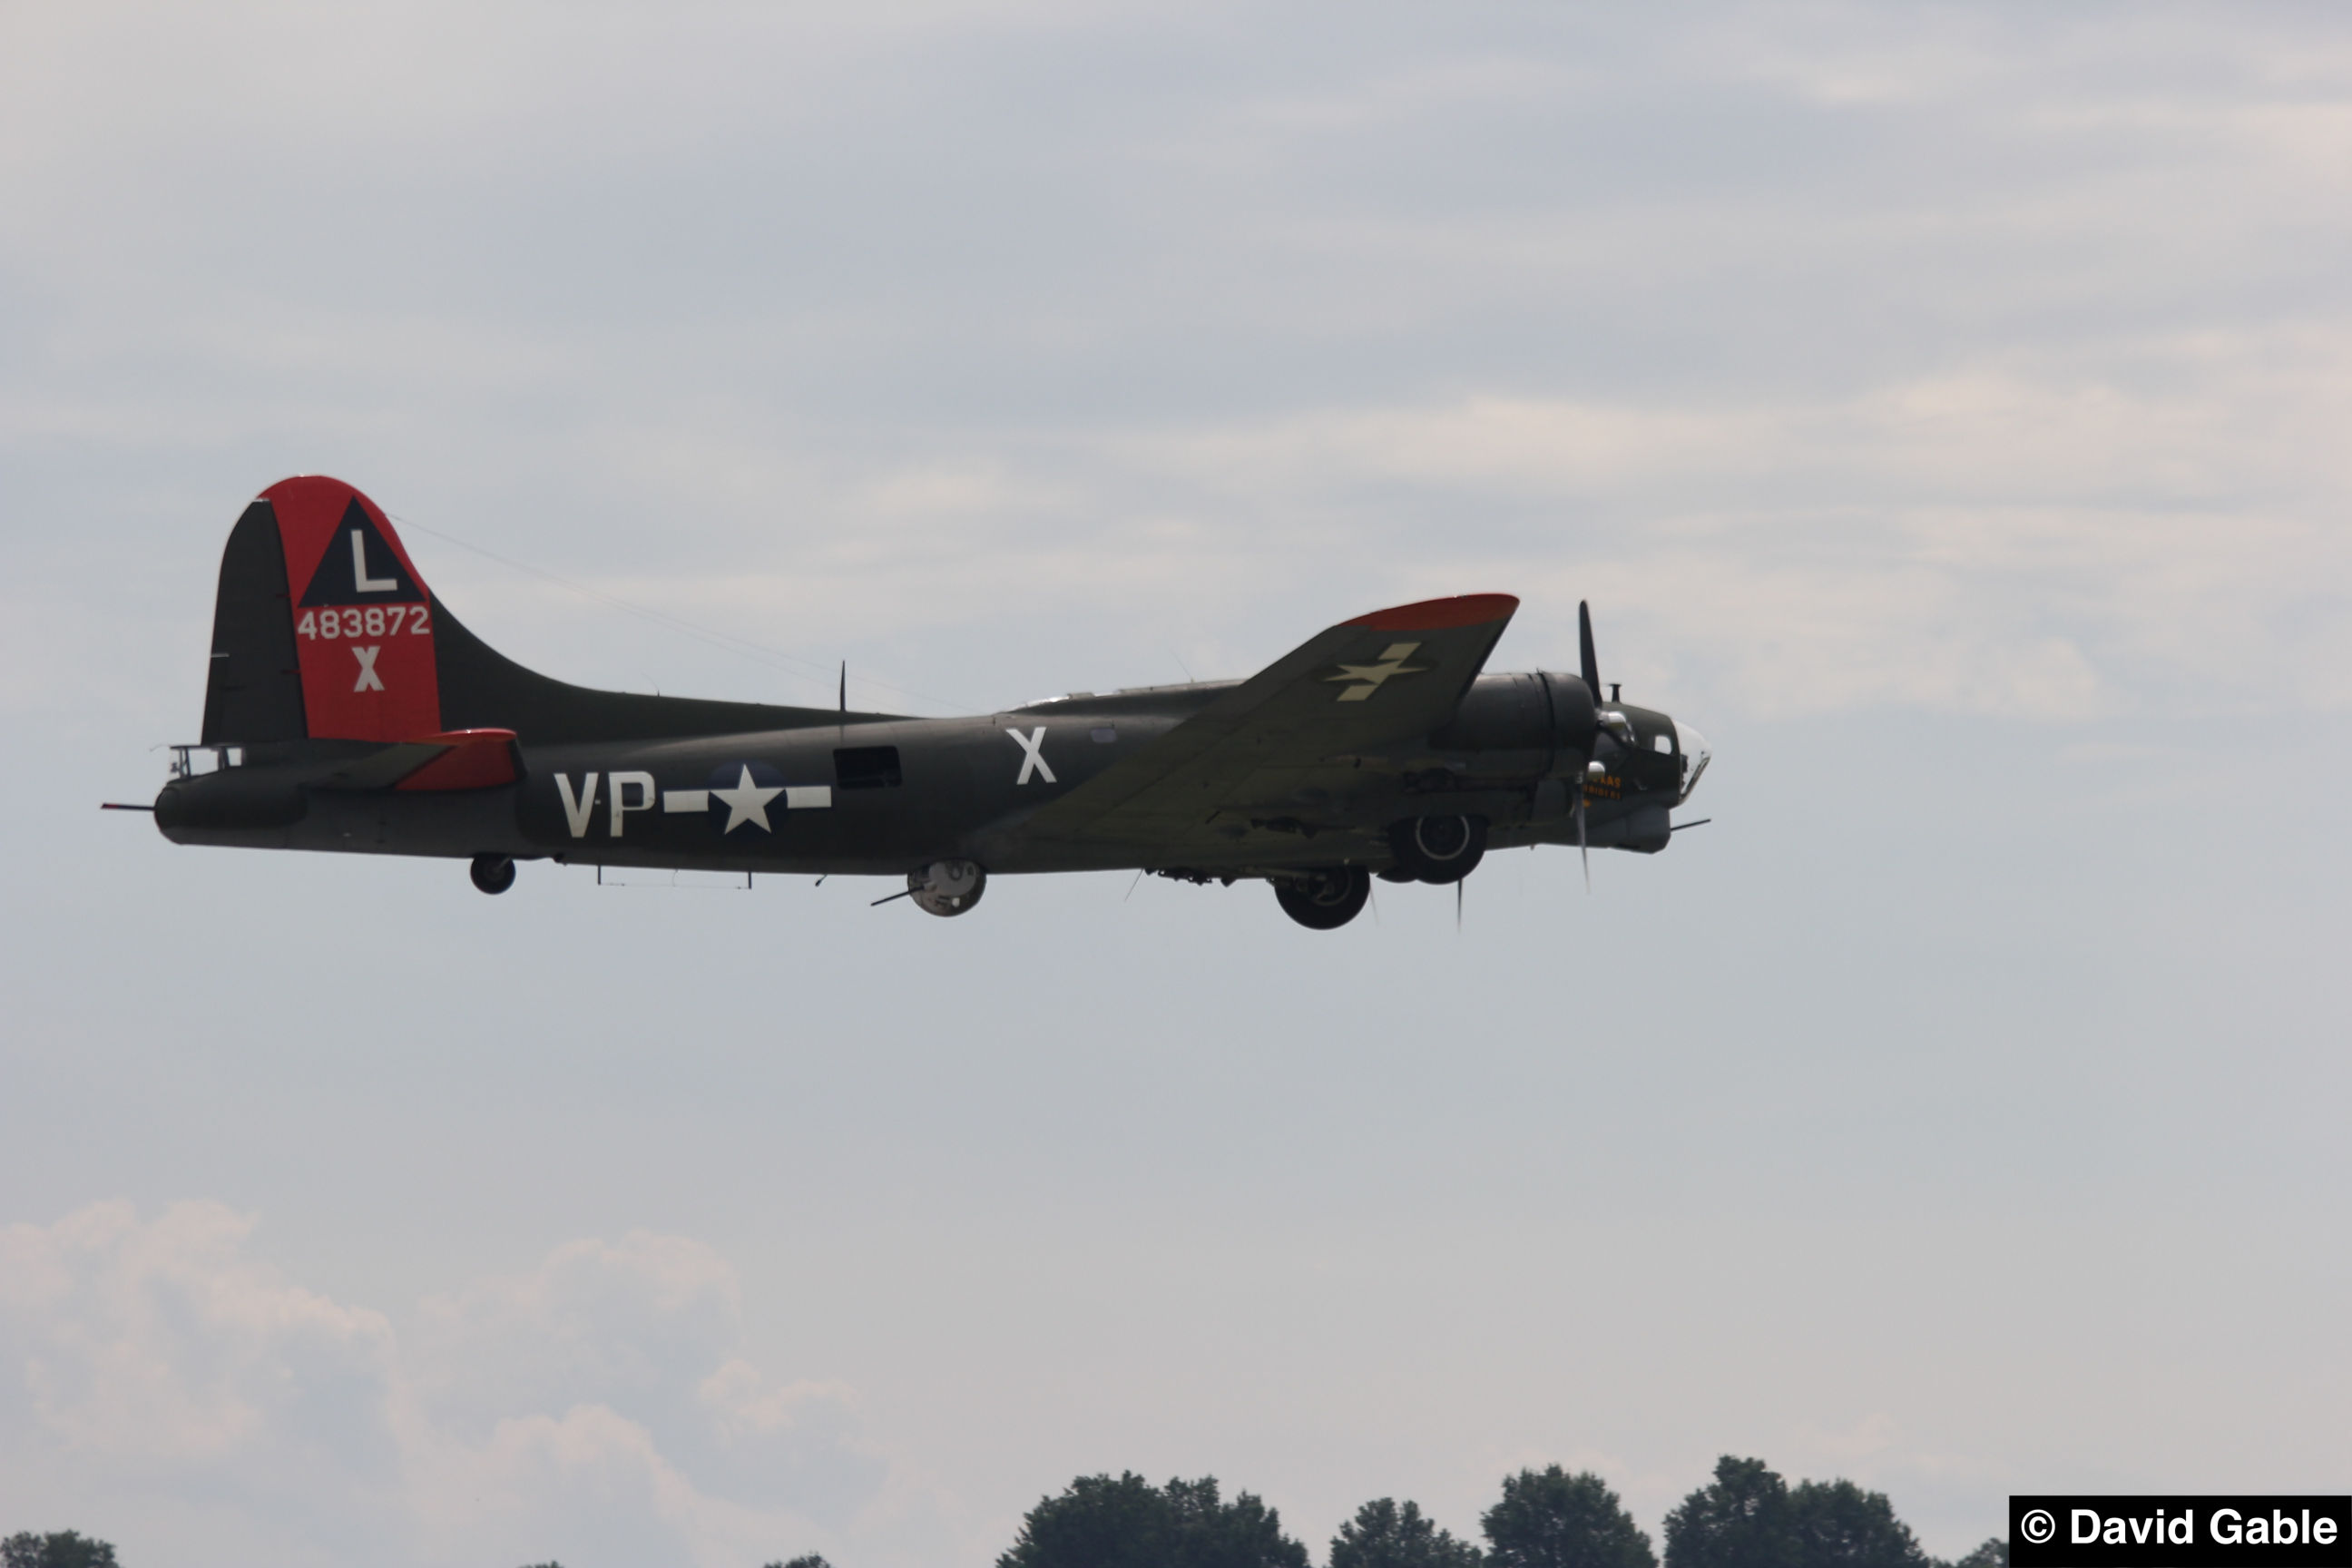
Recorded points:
(867,767)
(1106,734)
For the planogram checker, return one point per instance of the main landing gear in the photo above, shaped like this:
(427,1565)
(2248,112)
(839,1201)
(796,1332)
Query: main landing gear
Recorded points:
(1325,899)
(493,873)
(1425,849)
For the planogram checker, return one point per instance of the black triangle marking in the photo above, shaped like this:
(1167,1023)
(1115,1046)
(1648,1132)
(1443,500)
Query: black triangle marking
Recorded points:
(337,580)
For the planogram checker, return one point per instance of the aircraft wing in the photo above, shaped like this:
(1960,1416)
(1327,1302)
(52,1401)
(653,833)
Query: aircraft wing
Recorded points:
(1381,679)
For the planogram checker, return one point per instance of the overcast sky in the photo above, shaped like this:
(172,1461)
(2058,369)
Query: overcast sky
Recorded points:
(1945,408)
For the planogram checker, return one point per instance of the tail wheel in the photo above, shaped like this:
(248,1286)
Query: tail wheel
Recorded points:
(493,873)
(1327,899)
(1438,848)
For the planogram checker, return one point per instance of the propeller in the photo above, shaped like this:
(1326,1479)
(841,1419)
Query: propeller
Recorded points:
(1610,716)
(1614,722)
(1583,850)
(1612,719)
(1592,670)
(1591,673)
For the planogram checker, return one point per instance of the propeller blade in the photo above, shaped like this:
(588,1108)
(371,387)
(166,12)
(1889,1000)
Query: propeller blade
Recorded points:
(1583,850)
(1592,670)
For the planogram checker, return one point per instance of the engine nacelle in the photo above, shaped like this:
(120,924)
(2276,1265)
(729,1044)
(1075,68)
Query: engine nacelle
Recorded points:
(1540,724)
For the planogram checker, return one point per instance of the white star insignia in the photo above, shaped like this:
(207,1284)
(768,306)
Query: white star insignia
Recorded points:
(747,802)
(1367,678)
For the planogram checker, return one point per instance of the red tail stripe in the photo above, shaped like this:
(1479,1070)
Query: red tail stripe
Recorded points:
(1437,615)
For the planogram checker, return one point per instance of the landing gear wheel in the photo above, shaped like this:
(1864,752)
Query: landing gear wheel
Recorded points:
(947,887)
(1325,901)
(493,873)
(1438,848)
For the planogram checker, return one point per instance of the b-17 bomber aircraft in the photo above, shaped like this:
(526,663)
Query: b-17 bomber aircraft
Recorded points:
(347,709)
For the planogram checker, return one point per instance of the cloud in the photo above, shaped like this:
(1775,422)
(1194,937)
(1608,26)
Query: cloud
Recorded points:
(1961,364)
(592,1405)
(1998,540)
(162,1343)
(594,1322)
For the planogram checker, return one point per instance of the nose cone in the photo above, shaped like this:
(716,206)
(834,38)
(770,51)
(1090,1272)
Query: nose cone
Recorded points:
(1691,748)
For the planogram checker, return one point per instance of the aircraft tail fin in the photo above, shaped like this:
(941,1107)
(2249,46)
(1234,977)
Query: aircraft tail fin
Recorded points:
(323,629)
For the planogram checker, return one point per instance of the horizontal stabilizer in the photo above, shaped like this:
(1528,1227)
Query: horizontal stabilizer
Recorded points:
(461,759)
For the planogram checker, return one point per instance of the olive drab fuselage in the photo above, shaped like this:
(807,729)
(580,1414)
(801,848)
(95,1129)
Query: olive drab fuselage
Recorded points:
(347,710)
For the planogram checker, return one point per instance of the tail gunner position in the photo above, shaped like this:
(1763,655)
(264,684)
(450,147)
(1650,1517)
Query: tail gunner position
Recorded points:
(347,709)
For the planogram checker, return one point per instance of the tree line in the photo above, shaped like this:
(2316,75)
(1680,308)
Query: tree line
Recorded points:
(1748,1517)
(58,1549)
